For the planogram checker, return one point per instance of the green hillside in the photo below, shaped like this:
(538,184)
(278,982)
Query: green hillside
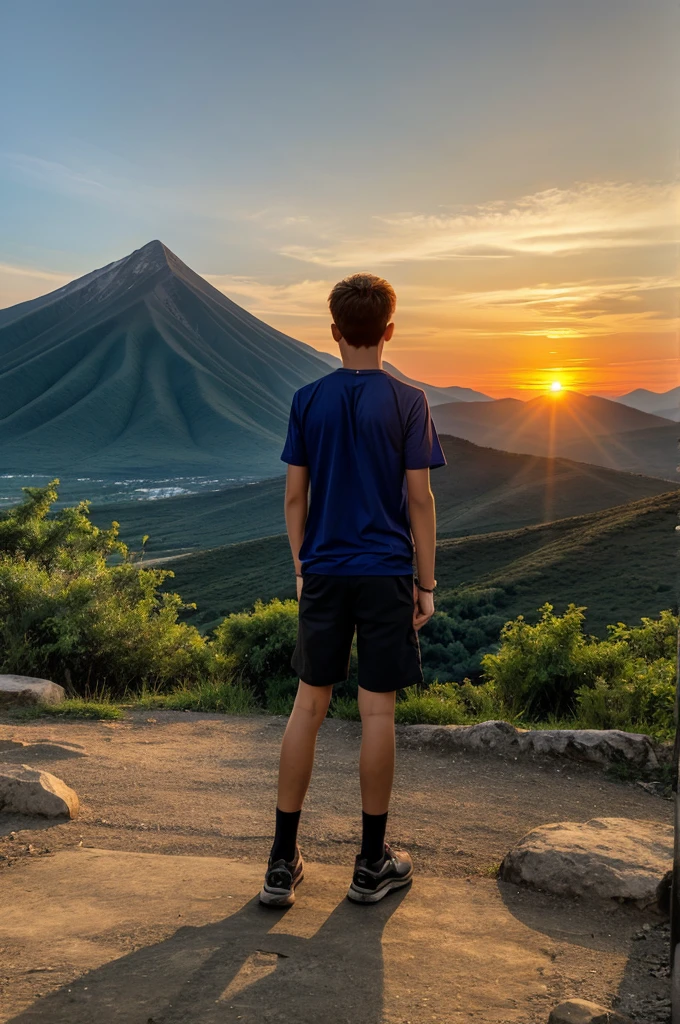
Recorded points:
(479,491)
(619,562)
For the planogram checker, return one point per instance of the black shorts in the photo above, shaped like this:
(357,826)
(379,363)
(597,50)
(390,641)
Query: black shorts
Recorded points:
(380,608)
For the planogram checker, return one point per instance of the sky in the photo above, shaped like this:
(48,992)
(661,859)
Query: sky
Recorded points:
(510,166)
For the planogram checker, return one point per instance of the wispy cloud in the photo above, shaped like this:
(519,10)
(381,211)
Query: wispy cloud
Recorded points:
(55,175)
(302,298)
(589,216)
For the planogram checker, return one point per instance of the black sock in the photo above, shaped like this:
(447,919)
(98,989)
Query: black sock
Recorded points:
(373,836)
(285,838)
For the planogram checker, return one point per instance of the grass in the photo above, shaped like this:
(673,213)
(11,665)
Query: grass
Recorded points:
(225,697)
(72,707)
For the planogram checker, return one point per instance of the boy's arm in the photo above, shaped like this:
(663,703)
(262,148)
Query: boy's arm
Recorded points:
(423,527)
(295,508)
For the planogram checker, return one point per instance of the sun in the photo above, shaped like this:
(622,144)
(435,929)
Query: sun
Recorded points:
(555,386)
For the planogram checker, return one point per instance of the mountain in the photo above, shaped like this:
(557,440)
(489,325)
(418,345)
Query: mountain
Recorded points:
(664,403)
(653,452)
(480,490)
(143,368)
(581,559)
(568,424)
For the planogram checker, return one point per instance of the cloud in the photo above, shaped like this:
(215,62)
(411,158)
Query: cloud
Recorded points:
(302,298)
(589,216)
(54,175)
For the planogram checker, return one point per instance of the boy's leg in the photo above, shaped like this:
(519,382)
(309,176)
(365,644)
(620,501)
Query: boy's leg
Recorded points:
(296,763)
(376,768)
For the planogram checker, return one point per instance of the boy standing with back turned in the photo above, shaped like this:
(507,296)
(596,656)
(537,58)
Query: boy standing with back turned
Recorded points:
(365,442)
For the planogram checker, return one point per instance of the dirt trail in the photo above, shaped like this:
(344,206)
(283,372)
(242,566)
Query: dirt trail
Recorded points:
(202,787)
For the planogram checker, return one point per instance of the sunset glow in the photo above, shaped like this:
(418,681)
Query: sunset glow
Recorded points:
(523,239)
(555,386)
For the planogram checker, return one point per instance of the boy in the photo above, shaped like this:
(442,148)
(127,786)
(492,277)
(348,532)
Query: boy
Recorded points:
(366,443)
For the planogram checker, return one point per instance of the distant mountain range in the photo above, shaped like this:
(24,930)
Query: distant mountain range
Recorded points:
(144,369)
(480,490)
(583,427)
(664,403)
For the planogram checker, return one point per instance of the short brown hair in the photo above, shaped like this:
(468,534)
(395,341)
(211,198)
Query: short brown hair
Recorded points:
(361,306)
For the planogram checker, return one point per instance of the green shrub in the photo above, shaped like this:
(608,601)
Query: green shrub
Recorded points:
(67,613)
(257,646)
(641,700)
(552,670)
(539,668)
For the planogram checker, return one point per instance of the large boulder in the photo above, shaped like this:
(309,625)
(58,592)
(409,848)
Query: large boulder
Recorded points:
(25,790)
(609,858)
(29,690)
(581,1011)
(597,746)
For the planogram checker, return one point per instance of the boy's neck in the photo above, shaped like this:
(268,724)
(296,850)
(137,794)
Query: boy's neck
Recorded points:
(361,358)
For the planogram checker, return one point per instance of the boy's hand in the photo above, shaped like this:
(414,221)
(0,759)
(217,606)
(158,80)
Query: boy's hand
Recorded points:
(299,581)
(423,607)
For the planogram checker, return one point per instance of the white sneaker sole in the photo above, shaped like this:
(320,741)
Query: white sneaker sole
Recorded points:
(279,897)
(374,895)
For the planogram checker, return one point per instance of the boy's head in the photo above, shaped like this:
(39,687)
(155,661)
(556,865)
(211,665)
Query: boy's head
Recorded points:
(362,306)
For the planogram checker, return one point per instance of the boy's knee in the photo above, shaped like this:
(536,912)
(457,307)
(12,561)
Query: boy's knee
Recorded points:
(313,701)
(373,704)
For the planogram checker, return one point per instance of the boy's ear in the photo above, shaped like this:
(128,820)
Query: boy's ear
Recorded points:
(336,332)
(389,331)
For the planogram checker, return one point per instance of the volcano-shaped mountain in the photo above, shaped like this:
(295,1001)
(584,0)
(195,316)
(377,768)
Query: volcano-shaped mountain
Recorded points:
(143,367)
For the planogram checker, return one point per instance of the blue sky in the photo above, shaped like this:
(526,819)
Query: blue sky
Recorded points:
(508,164)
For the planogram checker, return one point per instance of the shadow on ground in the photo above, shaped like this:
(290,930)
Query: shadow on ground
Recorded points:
(605,926)
(240,968)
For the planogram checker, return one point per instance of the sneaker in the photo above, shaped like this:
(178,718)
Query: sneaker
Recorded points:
(281,881)
(373,881)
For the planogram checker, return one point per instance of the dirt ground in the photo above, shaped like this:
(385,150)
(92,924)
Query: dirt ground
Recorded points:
(174,831)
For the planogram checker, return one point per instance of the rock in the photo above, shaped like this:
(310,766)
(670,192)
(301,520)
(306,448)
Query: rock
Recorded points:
(28,690)
(597,746)
(609,858)
(580,1011)
(25,790)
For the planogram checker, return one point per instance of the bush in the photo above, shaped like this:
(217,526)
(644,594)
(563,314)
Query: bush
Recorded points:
(257,647)
(538,669)
(68,614)
(642,700)
(552,669)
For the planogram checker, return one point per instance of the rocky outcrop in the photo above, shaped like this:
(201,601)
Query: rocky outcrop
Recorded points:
(607,858)
(25,790)
(28,690)
(597,746)
(580,1011)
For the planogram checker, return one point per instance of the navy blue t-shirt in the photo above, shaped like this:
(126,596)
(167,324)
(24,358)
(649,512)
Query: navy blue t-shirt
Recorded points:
(358,431)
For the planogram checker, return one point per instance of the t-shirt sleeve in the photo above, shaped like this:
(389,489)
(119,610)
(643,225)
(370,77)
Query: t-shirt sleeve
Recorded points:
(294,451)
(422,449)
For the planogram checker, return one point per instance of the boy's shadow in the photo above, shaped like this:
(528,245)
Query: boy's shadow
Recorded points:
(237,969)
